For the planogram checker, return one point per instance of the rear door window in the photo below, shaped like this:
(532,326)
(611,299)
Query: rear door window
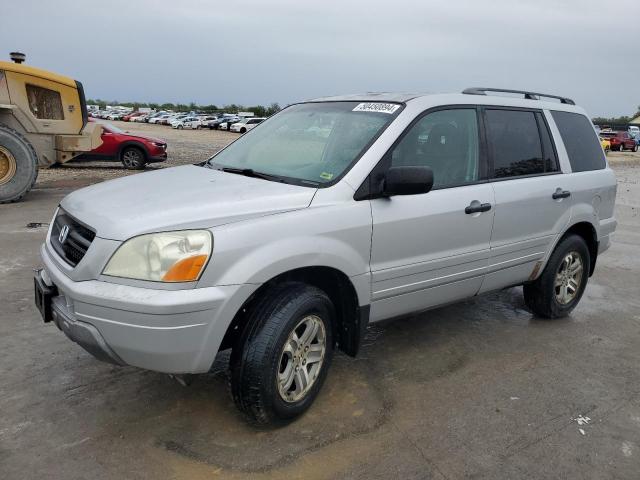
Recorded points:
(516,146)
(580,140)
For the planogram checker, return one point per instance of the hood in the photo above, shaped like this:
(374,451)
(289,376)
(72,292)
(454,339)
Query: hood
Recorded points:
(179,198)
(144,137)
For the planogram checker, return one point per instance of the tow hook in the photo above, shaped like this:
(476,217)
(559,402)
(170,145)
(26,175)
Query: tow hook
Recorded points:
(184,379)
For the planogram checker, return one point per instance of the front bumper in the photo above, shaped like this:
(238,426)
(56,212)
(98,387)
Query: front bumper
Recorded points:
(172,331)
(160,157)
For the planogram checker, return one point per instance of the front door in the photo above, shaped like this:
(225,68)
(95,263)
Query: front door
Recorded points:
(433,248)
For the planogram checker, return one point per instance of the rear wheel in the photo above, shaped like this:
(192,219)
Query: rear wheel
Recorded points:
(243,130)
(559,289)
(133,158)
(18,165)
(281,360)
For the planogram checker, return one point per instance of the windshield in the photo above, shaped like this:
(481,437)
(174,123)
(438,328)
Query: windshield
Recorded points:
(309,143)
(110,127)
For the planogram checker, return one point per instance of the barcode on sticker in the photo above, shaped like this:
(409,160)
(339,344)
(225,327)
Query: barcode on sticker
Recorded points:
(377,107)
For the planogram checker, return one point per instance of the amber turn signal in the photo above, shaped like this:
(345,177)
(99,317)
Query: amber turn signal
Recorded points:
(186,270)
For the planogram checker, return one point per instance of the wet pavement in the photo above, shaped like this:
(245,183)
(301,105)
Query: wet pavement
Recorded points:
(480,389)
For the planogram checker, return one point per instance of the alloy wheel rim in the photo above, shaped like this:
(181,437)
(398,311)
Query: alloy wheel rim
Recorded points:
(8,166)
(130,157)
(301,359)
(568,278)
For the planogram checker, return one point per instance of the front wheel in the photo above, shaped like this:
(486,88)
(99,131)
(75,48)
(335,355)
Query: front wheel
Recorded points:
(559,289)
(281,360)
(635,148)
(133,158)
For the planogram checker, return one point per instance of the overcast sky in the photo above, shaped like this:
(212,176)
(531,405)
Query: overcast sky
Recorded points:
(263,51)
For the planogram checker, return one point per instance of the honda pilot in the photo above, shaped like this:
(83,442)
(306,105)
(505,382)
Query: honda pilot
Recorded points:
(332,214)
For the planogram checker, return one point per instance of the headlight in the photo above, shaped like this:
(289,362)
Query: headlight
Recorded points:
(162,257)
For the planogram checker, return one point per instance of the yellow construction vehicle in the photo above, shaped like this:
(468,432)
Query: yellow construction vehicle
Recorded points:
(43,120)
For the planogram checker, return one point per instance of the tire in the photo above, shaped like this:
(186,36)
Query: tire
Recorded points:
(180,127)
(243,130)
(259,354)
(18,165)
(635,148)
(621,149)
(543,296)
(133,158)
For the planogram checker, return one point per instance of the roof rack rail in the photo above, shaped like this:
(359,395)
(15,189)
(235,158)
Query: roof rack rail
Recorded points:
(527,95)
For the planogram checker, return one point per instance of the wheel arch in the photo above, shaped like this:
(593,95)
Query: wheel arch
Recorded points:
(133,143)
(587,231)
(351,317)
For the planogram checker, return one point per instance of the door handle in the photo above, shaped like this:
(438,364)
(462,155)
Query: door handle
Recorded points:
(477,207)
(561,194)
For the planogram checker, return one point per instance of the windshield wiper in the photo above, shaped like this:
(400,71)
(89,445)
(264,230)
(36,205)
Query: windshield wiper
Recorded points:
(250,172)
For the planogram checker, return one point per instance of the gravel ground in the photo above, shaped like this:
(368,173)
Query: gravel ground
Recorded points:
(184,147)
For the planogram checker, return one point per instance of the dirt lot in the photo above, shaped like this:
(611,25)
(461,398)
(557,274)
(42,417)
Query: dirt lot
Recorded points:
(185,147)
(477,390)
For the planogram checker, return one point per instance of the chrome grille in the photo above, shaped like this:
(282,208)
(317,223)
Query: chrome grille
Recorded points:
(69,238)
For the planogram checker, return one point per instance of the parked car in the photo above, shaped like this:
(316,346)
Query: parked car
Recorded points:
(634,131)
(173,118)
(140,119)
(129,117)
(606,145)
(246,124)
(205,119)
(286,245)
(223,123)
(620,141)
(133,150)
(155,115)
(159,118)
(193,123)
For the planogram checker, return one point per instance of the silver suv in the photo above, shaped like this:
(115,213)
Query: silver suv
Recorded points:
(332,214)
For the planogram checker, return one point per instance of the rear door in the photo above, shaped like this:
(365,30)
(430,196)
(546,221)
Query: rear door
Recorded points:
(433,248)
(532,203)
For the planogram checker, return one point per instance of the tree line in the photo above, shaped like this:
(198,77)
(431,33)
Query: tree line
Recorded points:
(258,110)
(624,120)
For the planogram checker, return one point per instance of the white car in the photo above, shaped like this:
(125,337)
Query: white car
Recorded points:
(246,124)
(159,118)
(193,123)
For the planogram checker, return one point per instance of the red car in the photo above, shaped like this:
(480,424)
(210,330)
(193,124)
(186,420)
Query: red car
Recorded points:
(620,141)
(127,118)
(134,151)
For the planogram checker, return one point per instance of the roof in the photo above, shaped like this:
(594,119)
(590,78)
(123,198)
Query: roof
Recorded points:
(433,99)
(370,97)
(36,72)
(635,121)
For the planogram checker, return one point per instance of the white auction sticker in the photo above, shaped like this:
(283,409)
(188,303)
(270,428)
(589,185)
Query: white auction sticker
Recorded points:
(377,107)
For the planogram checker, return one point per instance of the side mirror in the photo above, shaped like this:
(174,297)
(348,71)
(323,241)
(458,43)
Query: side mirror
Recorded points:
(411,180)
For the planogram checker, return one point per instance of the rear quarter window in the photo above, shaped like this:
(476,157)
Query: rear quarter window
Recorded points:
(580,140)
